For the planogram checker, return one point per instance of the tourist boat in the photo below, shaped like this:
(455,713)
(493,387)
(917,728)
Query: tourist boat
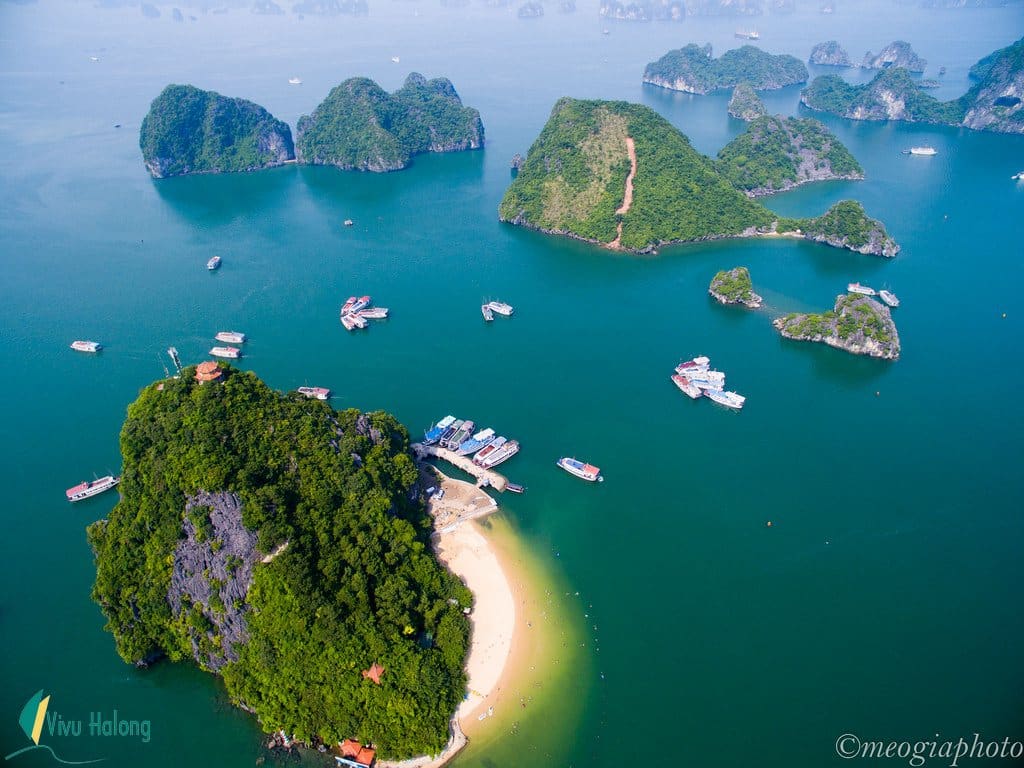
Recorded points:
(230,337)
(707,379)
(213,263)
(753,34)
(294,81)
(476,442)
(485,453)
(349,322)
(319,393)
(232,353)
(433,434)
(515,488)
(503,454)
(355,304)
(463,432)
(86,346)
(686,386)
(395,59)
(488,313)
(1018,176)
(348,222)
(889,298)
(373,313)
(86,489)
(501,308)
(580,469)
(728,399)
(923,151)
(454,427)
(687,367)
(863,290)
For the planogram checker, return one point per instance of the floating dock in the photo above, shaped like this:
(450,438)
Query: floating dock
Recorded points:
(484,476)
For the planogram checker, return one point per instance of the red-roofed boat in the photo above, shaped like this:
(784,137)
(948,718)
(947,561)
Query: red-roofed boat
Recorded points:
(90,488)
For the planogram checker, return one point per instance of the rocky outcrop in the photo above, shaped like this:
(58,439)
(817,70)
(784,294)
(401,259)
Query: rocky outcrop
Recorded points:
(693,69)
(211,575)
(857,324)
(830,54)
(996,101)
(847,225)
(745,103)
(895,54)
(188,130)
(733,286)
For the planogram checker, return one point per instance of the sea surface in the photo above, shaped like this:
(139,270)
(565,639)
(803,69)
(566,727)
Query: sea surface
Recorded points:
(884,600)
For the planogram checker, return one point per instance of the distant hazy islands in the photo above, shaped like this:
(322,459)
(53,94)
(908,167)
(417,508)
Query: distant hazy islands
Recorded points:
(694,70)
(993,103)
(284,546)
(358,126)
(857,324)
(733,286)
(188,130)
(579,179)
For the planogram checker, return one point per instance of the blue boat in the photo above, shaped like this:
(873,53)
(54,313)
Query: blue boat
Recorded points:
(476,442)
(433,434)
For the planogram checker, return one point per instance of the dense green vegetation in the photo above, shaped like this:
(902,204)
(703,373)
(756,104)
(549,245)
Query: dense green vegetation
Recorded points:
(188,130)
(574,176)
(693,69)
(734,286)
(356,584)
(846,224)
(745,103)
(777,153)
(856,323)
(830,93)
(361,126)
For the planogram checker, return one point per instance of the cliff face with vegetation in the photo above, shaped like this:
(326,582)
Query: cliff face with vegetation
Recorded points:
(694,70)
(574,179)
(895,54)
(285,546)
(745,103)
(994,103)
(359,126)
(733,286)
(846,225)
(830,54)
(778,153)
(857,324)
(188,130)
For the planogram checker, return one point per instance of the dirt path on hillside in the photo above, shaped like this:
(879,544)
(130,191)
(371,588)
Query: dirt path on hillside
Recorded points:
(627,197)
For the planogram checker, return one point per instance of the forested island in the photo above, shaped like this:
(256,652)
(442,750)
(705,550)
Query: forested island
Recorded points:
(857,324)
(778,153)
(895,54)
(993,103)
(733,286)
(619,174)
(830,54)
(745,104)
(189,130)
(284,546)
(360,126)
(693,69)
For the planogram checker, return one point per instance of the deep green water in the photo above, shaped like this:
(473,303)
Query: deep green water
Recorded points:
(883,601)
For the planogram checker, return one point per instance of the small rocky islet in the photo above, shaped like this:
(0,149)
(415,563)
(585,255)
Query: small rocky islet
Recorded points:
(857,324)
(733,286)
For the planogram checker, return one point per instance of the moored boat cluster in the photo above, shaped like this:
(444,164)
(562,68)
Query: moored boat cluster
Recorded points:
(695,379)
(357,310)
(500,307)
(487,448)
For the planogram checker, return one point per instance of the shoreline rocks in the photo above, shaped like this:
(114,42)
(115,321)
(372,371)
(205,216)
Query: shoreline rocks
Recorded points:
(857,324)
(733,286)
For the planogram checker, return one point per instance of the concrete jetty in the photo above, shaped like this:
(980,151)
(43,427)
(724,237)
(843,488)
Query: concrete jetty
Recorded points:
(484,476)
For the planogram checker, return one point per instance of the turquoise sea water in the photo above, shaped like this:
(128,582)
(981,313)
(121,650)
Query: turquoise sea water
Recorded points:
(883,601)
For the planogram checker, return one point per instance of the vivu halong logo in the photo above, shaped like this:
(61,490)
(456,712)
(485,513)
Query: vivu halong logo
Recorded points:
(35,718)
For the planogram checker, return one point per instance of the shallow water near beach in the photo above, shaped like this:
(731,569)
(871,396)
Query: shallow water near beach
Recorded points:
(883,599)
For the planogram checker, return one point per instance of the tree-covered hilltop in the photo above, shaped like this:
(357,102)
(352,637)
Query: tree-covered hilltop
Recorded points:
(733,286)
(778,153)
(574,179)
(189,130)
(845,225)
(857,324)
(993,103)
(745,104)
(284,545)
(360,126)
(693,69)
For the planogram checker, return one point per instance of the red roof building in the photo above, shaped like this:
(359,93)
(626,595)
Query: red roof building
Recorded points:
(355,755)
(208,371)
(373,673)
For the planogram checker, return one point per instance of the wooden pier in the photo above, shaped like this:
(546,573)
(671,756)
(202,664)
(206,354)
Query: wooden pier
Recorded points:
(484,476)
